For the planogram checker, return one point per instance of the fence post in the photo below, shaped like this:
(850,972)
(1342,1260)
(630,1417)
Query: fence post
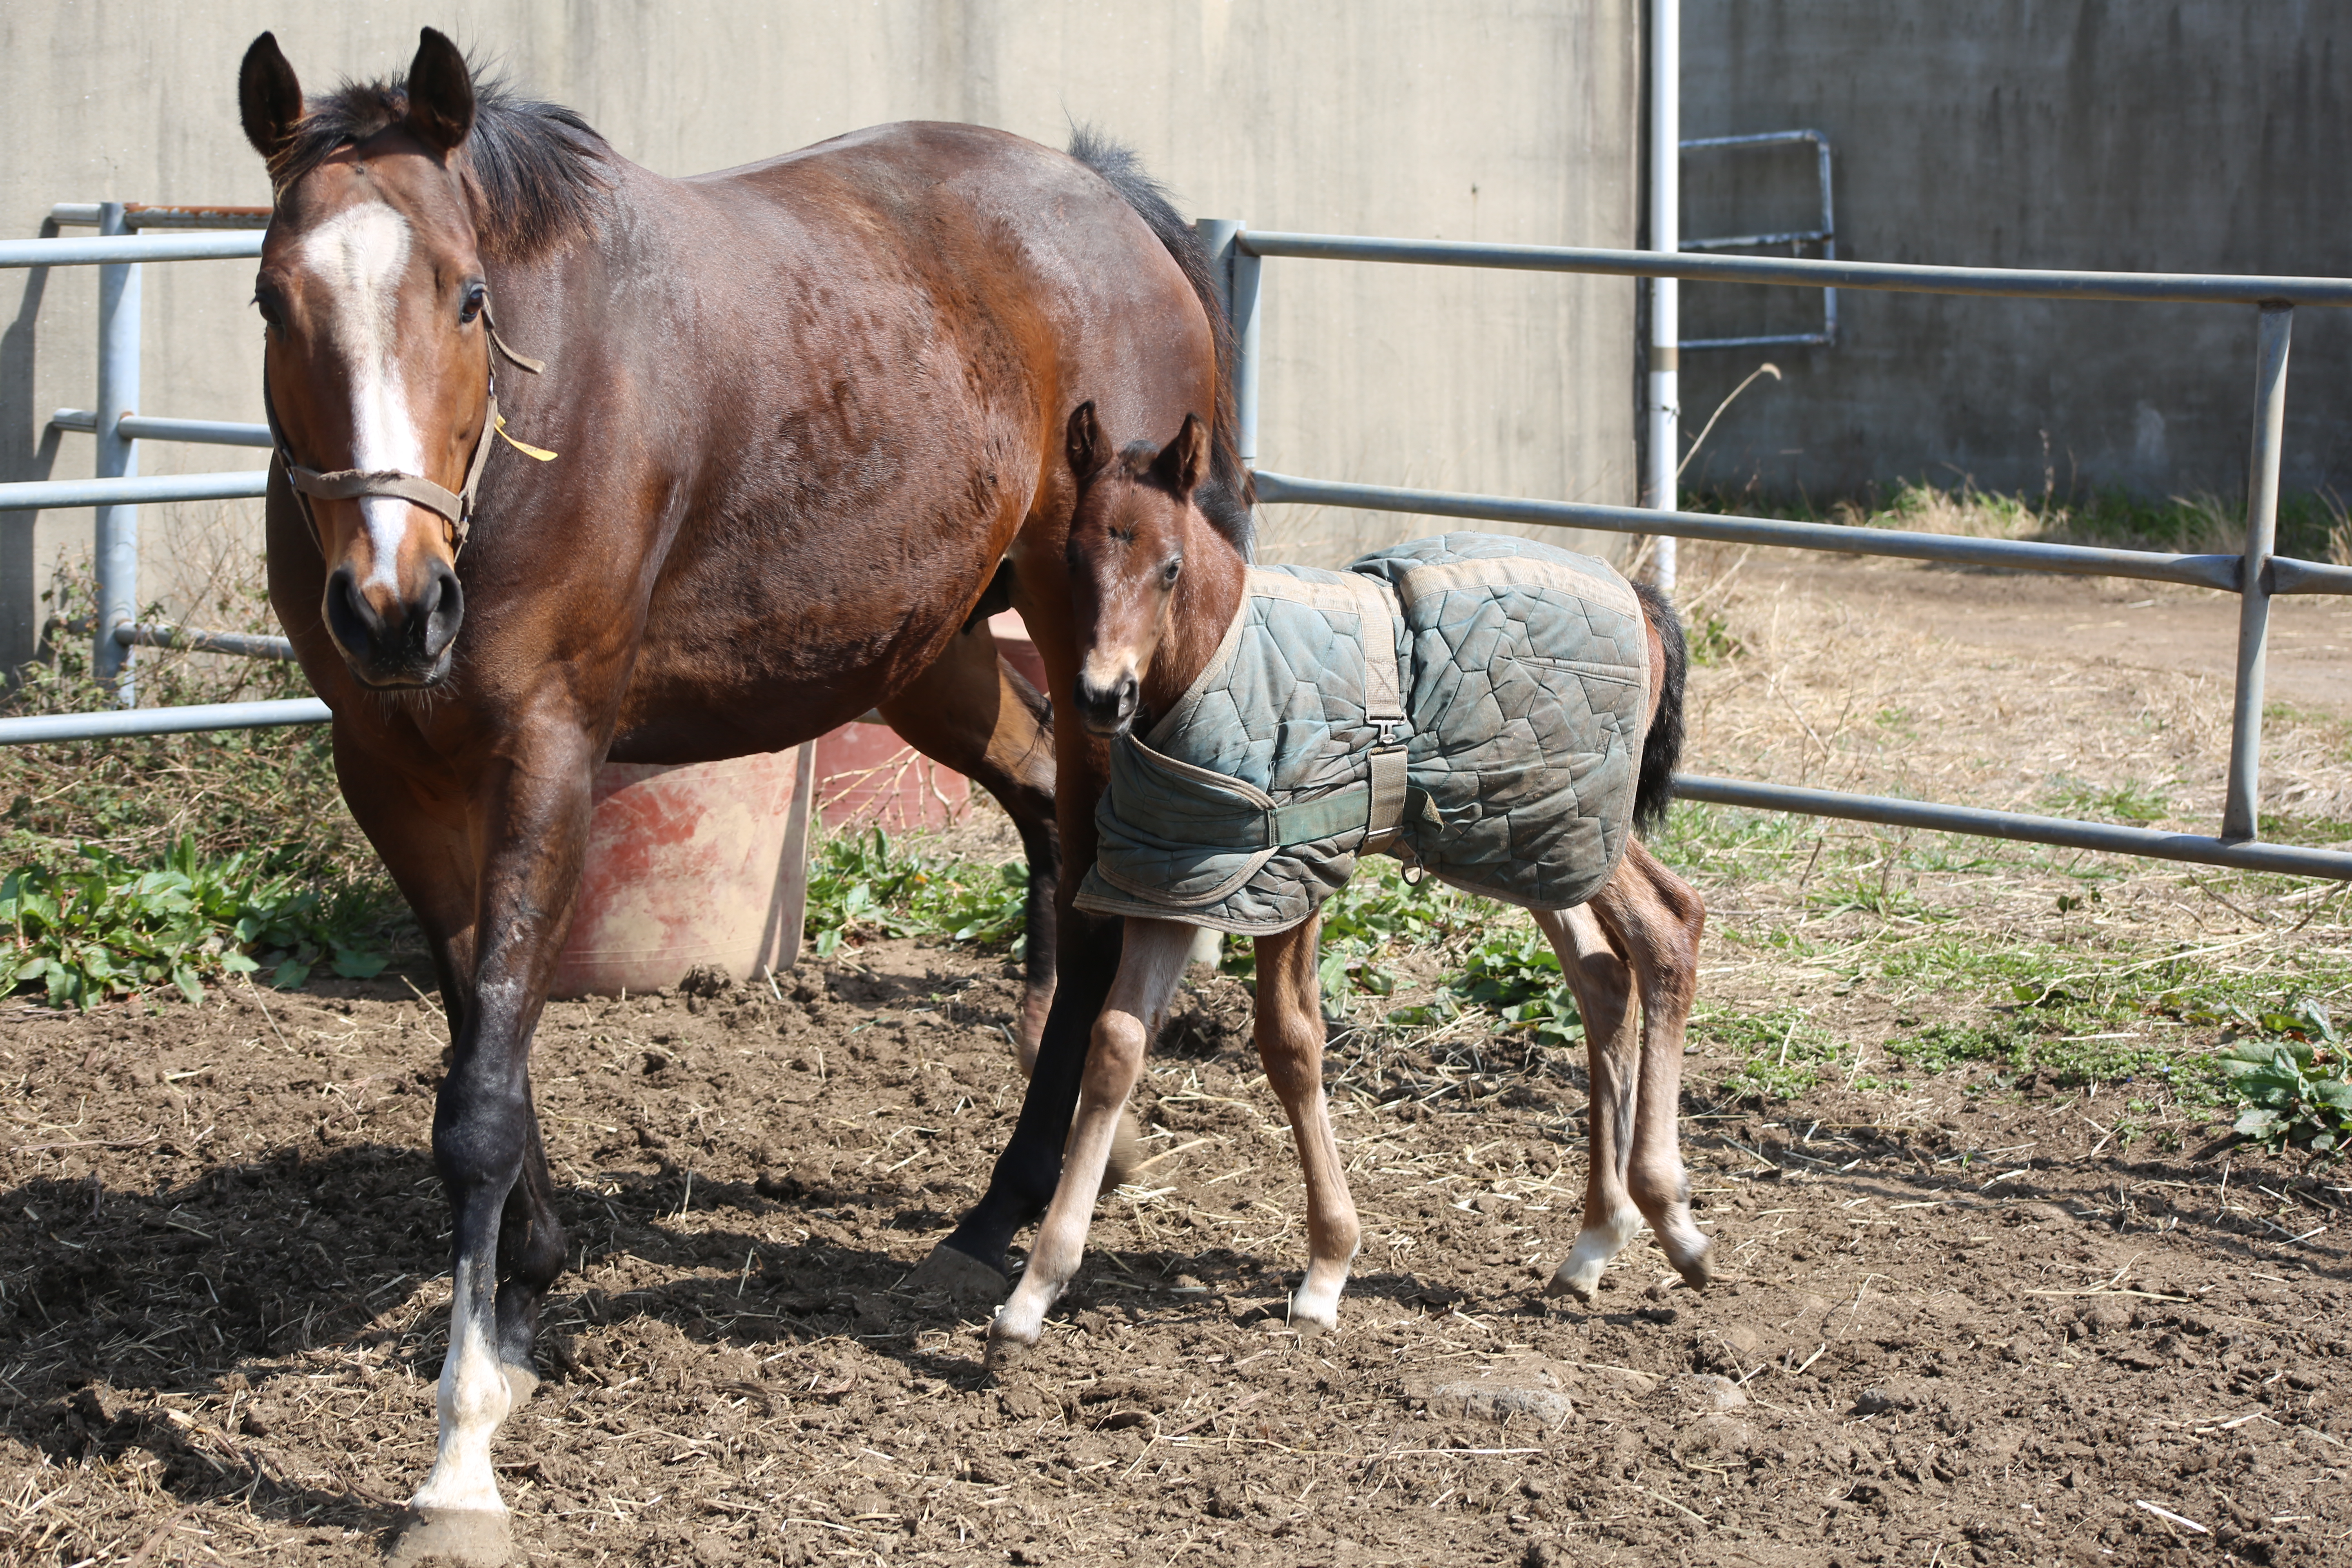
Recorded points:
(1244,317)
(1664,404)
(116,544)
(2240,820)
(1237,274)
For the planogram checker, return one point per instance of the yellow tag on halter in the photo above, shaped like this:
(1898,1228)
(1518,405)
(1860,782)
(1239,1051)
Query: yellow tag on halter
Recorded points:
(541,453)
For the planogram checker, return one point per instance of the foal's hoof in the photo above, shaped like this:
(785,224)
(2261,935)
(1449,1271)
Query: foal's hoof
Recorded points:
(960,1277)
(476,1538)
(1311,1322)
(1005,1351)
(1698,1269)
(1575,1284)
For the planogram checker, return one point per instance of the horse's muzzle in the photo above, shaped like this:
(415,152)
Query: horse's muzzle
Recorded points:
(410,643)
(1106,710)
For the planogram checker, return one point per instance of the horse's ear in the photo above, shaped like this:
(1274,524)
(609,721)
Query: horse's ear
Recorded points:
(440,93)
(1183,463)
(269,98)
(1085,446)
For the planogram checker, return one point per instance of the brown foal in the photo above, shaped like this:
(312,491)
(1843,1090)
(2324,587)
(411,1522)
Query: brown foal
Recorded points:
(1155,588)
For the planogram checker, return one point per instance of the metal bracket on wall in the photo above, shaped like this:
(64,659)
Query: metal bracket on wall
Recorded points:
(1795,239)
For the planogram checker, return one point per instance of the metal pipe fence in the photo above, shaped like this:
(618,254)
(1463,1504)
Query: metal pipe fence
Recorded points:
(2256,574)
(124,244)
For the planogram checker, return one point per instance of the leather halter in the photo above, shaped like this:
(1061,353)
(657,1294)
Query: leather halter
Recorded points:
(455,507)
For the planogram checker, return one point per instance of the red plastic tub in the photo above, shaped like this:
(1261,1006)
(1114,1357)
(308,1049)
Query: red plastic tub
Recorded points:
(701,864)
(707,863)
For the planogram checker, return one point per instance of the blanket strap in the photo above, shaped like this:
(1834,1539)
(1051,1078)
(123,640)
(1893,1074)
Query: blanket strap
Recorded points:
(1383,710)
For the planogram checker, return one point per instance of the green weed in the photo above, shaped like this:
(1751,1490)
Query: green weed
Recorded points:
(2296,1089)
(1516,976)
(867,884)
(1367,923)
(96,926)
(1782,1055)
(1710,641)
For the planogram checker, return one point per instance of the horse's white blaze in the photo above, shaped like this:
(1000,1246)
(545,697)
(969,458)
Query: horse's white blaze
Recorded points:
(361,254)
(472,1400)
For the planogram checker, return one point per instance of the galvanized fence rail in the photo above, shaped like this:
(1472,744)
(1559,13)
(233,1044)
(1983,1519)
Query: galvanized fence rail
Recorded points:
(2256,574)
(129,235)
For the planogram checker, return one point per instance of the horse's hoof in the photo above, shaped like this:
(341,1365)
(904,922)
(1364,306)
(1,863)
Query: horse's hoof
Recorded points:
(960,1277)
(1126,1152)
(473,1537)
(522,1382)
(1004,1351)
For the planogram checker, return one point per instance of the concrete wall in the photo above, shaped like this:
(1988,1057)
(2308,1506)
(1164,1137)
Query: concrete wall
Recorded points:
(2193,135)
(1478,118)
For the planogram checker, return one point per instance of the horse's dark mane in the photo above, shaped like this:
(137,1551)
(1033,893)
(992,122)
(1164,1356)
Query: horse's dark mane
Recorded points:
(532,171)
(1225,497)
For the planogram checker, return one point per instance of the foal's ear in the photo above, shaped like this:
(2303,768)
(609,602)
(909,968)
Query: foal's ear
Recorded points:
(440,93)
(1085,444)
(1184,462)
(269,99)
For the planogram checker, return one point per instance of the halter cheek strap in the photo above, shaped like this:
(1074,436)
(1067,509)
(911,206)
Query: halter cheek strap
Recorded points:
(455,507)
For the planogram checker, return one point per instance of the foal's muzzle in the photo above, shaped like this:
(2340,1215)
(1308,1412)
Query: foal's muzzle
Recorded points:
(1108,710)
(409,644)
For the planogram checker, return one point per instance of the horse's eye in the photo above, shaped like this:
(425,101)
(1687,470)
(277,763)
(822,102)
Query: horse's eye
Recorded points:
(266,302)
(477,296)
(1168,573)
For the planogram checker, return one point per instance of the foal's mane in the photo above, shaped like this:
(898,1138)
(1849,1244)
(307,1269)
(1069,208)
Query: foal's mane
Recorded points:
(532,172)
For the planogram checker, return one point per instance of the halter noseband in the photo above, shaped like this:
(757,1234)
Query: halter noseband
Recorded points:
(455,507)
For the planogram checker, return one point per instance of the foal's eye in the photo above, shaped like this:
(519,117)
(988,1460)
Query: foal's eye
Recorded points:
(477,296)
(266,302)
(1168,573)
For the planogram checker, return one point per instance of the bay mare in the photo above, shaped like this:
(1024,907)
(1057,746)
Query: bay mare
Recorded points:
(1156,588)
(803,416)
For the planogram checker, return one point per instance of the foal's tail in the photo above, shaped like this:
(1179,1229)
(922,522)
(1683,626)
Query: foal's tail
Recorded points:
(1661,746)
(1226,496)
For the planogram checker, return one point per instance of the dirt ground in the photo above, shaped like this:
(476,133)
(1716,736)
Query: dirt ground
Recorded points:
(1958,1320)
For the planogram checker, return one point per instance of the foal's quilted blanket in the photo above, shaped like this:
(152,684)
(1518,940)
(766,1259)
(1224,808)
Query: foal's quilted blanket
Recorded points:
(1472,704)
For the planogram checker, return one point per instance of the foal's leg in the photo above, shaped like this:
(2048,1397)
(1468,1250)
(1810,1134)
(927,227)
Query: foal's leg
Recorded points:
(1604,995)
(1655,920)
(1151,963)
(973,712)
(1290,1047)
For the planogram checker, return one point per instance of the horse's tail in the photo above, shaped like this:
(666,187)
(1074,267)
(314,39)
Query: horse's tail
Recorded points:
(1661,744)
(1228,494)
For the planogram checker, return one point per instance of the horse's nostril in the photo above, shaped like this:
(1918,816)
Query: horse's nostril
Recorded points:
(349,617)
(441,609)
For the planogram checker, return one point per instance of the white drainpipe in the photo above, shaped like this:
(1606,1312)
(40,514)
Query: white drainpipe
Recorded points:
(1665,401)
